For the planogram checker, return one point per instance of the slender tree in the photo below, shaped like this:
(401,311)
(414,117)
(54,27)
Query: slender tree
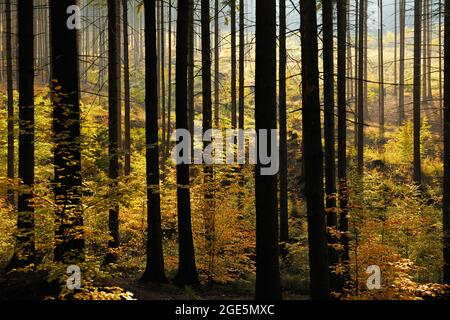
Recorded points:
(361,100)
(342,130)
(114,123)
(401,87)
(216,63)
(381,92)
(267,249)
(10,94)
(233,64)
(241,64)
(154,270)
(126,79)
(187,270)
(312,152)
(446,202)
(24,253)
(417,174)
(329,134)
(284,217)
(210,232)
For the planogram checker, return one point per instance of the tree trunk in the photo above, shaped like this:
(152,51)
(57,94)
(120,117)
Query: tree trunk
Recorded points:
(24,253)
(187,270)
(10,94)
(284,215)
(233,64)
(417,175)
(342,131)
(209,214)
(381,92)
(313,153)
(446,200)
(401,87)
(267,249)
(361,100)
(65,96)
(126,79)
(329,133)
(216,63)
(154,270)
(114,140)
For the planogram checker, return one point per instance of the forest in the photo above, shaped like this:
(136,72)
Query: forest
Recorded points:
(224,150)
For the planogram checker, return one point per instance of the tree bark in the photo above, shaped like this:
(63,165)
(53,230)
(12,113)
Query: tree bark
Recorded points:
(313,153)
(154,270)
(267,249)
(24,253)
(187,270)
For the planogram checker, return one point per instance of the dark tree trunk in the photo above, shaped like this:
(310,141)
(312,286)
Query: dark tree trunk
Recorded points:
(267,249)
(417,174)
(126,79)
(65,95)
(169,89)
(163,74)
(190,83)
(187,270)
(361,100)
(329,134)
(342,131)
(401,87)
(24,253)
(216,63)
(233,64)
(154,270)
(10,93)
(209,213)
(114,123)
(284,216)
(241,64)
(446,204)
(381,92)
(312,145)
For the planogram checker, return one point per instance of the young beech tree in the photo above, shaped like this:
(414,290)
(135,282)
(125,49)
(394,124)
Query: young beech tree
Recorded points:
(312,152)
(24,252)
(267,249)
(66,129)
(154,270)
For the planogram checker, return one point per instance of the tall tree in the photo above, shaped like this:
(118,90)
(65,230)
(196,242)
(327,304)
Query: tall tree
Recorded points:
(187,270)
(207,125)
(216,63)
(342,129)
(233,64)
(10,93)
(329,134)
(154,270)
(114,124)
(417,174)
(401,87)
(267,249)
(361,100)
(241,64)
(126,79)
(284,217)
(446,202)
(66,129)
(24,252)
(312,151)
(381,92)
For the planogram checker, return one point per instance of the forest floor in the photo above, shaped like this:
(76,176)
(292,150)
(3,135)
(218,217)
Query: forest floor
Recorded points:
(36,288)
